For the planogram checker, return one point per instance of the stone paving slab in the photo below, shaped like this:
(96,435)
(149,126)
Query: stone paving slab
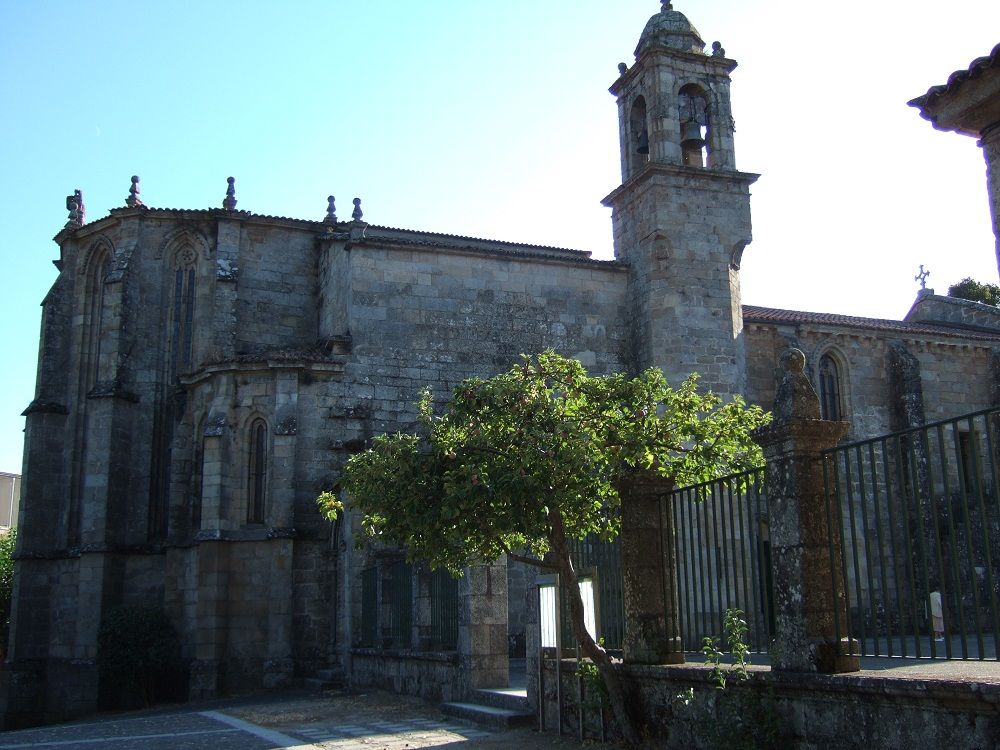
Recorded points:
(375,720)
(414,733)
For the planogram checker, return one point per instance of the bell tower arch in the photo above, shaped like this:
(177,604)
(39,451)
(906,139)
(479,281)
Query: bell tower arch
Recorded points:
(682,213)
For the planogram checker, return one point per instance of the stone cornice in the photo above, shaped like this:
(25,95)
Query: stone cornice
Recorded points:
(703,178)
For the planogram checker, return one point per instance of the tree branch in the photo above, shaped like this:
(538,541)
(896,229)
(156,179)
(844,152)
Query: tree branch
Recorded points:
(533,561)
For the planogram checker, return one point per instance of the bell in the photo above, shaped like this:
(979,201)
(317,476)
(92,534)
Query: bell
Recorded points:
(643,147)
(691,135)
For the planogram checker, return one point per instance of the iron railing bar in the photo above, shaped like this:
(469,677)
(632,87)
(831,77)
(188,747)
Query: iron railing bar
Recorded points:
(921,535)
(925,427)
(757,584)
(843,549)
(743,573)
(909,568)
(826,459)
(880,541)
(975,490)
(956,583)
(703,576)
(724,494)
(935,515)
(684,567)
(714,554)
(984,522)
(863,499)
(897,580)
(848,485)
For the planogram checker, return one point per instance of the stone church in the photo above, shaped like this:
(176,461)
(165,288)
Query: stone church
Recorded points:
(204,373)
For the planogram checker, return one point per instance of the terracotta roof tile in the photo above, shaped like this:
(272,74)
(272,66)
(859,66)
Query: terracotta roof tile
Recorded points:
(775,316)
(956,79)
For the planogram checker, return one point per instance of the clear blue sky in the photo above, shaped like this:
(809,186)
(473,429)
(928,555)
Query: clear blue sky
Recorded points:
(489,119)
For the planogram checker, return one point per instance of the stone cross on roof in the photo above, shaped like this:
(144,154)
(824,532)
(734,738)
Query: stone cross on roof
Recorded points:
(922,277)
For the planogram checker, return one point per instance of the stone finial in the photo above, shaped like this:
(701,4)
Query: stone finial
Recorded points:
(666,5)
(133,199)
(357,214)
(718,50)
(331,210)
(230,202)
(922,277)
(622,69)
(796,398)
(75,207)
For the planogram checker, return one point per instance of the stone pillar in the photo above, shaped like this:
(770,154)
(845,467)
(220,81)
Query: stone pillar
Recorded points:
(990,142)
(208,669)
(649,569)
(482,625)
(809,601)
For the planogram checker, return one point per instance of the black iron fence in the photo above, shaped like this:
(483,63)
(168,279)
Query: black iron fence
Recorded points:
(404,606)
(720,534)
(920,529)
(723,558)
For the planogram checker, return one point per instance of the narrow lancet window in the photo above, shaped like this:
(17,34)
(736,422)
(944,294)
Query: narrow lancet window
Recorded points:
(829,389)
(182,312)
(257,480)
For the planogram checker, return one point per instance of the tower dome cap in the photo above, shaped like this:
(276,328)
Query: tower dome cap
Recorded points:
(670,29)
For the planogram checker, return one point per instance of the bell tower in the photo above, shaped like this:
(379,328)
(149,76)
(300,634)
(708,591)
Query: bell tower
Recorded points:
(682,213)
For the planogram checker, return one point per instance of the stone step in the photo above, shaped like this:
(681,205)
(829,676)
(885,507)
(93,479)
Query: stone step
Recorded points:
(489,716)
(512,698)
(323,679)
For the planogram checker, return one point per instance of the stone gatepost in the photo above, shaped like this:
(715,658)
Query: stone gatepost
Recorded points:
(810,608)
(649,570)
(482,625)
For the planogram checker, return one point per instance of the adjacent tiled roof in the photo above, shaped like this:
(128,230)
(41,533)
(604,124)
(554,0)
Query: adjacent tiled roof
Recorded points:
(956,79)
(775,316)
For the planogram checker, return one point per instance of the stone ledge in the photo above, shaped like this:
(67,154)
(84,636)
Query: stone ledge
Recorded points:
(446,657)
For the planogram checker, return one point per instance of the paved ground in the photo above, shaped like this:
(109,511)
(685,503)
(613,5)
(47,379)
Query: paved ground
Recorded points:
(338,720)
(300,721)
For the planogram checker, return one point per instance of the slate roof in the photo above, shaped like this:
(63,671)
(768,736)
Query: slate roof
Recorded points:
(775,316)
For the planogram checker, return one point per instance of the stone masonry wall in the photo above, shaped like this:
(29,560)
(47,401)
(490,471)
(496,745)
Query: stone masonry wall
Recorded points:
(955,374)
(934,308)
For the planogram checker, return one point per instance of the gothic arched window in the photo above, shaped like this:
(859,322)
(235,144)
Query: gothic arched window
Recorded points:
(830,398)
(94,316)
(257,472)
(182,311)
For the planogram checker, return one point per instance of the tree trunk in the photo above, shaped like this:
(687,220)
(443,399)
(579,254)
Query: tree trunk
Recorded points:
(607,670)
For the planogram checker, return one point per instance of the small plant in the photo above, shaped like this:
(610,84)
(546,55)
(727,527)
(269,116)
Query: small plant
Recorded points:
(736,636)
(739,720)
(597,693)
(713,656)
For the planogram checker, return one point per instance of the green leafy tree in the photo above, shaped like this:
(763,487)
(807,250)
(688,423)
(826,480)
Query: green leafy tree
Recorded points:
(523,462)
(7,543)
(969,288)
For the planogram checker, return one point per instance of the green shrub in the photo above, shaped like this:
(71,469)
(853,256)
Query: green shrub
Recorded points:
(969,288)
(138,655)
(7,543)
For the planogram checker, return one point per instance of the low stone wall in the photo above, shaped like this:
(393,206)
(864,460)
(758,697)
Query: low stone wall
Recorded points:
(433,676)
(683,709)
